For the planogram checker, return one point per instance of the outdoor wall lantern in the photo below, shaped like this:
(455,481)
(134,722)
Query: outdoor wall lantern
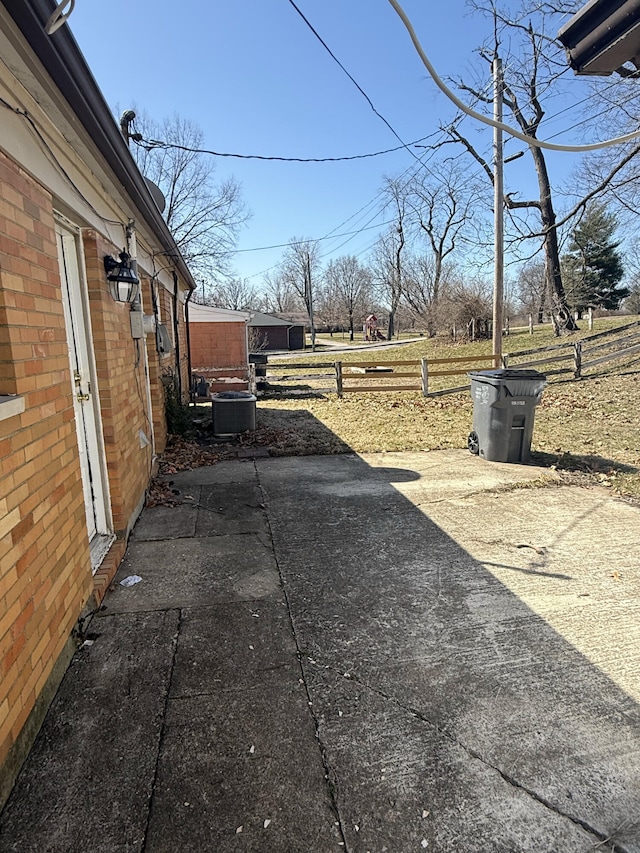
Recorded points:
(123,281)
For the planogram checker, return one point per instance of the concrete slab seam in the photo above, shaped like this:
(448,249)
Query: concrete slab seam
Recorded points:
(601,836)
(329,772)
(165,707)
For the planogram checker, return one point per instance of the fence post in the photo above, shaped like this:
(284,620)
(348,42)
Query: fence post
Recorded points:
(253,385)
(530,324)
(338,366)
(590,318)
(424,368)
(577,358)
(454,333)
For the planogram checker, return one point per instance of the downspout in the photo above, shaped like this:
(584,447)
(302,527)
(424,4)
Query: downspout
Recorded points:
(186,320)
(176,337)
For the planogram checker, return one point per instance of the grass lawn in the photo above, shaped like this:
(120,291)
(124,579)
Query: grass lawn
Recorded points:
(589,427)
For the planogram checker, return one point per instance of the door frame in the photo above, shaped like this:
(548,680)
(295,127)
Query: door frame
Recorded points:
(75,300)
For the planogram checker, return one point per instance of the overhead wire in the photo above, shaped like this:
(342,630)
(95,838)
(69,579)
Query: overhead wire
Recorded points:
(530,140)
(152,144)
(299,242)
(31,124)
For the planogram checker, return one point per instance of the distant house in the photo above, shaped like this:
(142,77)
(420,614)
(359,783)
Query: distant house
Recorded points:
(82,372)
(268,332)
(219,346)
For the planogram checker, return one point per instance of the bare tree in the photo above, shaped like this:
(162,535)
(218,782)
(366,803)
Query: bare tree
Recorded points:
(204,215)
(533,63)
(441,210)
(300,270)
(278,295)
(531,288)
(349,285)
(387,258)
(235,293)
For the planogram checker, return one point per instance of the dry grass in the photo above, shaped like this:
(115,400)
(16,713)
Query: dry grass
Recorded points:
(589,427)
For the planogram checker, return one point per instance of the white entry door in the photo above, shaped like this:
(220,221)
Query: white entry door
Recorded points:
(85,400)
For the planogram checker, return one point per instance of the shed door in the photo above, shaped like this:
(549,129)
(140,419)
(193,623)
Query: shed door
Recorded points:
(85,402)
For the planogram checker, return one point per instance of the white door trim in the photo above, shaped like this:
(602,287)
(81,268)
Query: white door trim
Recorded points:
(84,387)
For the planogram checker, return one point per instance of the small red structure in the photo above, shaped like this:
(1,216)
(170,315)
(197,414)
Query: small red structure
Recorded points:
(370,329)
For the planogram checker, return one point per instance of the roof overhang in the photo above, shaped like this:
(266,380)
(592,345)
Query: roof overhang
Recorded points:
(210,314)
(603,36)
(63,61)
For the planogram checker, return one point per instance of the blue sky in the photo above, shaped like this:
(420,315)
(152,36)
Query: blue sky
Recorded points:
(256,80)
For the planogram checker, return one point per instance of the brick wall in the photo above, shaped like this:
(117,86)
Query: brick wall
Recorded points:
(45,569)
(122,384)
(218,345)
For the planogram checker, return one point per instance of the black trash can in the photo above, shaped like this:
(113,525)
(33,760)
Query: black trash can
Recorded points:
(233,412)
(504,404)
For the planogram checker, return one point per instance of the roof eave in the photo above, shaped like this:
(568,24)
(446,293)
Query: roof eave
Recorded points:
(65,64)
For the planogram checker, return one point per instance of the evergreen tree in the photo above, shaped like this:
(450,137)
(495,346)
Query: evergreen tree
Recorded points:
(592,269)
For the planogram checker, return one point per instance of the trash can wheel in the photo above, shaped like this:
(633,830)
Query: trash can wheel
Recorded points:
(473,444)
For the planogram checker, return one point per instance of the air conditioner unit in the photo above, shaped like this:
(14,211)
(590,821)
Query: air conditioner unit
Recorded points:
(233,412)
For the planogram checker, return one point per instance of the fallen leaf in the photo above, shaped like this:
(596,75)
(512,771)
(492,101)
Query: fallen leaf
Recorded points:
(266,823)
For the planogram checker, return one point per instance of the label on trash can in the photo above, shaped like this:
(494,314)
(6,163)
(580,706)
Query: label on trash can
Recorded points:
(482,394)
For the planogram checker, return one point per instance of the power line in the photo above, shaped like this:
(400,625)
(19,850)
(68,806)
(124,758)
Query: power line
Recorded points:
(530,140)
(300,242)
(351,77)
(152,144)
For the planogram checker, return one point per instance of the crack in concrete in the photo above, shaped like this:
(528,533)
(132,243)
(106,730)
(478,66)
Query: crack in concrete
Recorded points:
(602,837)
(167,697)
(330,774)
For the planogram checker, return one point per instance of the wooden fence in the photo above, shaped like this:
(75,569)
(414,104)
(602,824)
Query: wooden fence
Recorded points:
(578,355)
(364,377)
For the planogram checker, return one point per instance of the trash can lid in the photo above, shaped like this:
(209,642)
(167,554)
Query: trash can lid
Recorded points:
(507,373)
(233,395)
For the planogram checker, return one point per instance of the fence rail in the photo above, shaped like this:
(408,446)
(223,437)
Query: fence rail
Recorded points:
(356,372)
(363,377)
(579,350)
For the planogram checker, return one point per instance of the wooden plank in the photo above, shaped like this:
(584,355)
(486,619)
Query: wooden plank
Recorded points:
(606,344)
(548,360)
(463,358)
(394,375)
(611,357)
(302,365)
(444,391)
(401,362)
(458,372)
(536,350)
(365,389)
(611,331)
(281,377)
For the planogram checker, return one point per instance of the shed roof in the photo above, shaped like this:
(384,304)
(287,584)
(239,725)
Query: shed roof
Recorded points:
(210,314)
(260,319)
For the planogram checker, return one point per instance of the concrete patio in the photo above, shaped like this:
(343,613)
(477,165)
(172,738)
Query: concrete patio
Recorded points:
(393,652)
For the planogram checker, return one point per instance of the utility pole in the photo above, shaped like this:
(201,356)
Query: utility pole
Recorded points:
(498,209)
(309,294)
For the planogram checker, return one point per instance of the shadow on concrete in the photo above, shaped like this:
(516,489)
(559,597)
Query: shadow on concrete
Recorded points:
(581,463)
(391,653)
